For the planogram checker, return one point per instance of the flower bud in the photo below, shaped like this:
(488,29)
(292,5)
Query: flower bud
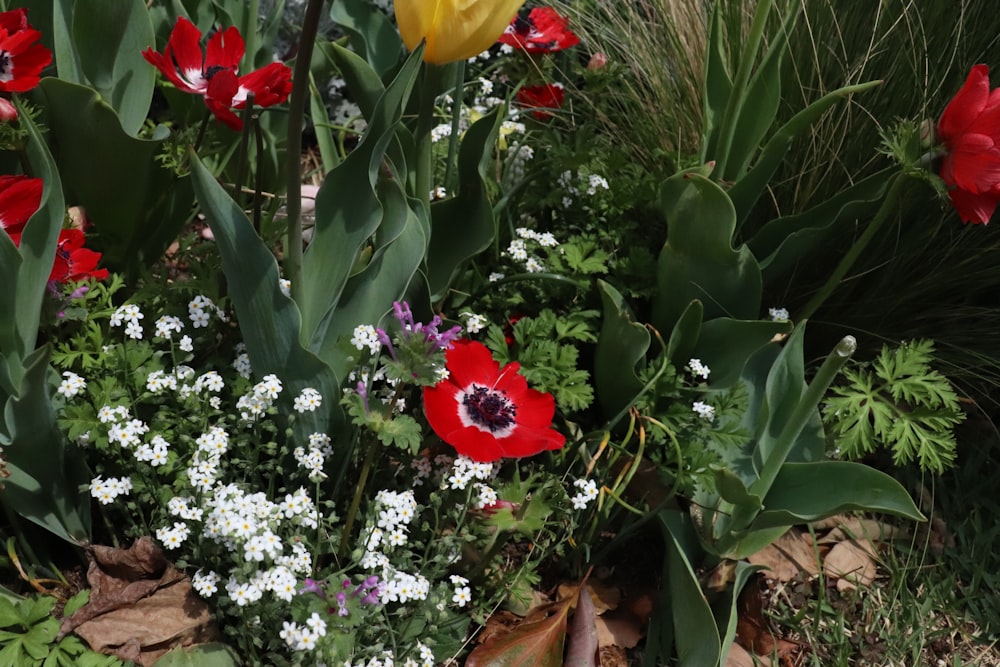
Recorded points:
(597,61)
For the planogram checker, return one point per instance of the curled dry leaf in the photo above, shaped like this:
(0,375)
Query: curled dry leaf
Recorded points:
(140,606)
(852,562)
(788,557)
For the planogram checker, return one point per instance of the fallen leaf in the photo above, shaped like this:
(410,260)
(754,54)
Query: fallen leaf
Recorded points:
(619,629)
(140,606)
(535,642)
(852,563)
(603,596)
(788,557)
(613,656)
(752,630)
(582,650)
(740,657)
(860,528)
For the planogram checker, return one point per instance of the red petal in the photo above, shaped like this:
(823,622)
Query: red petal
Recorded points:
(967,104)
(225,49)
(470,361)
(974,163)
(441,408)
(974,208)
(219,98)
(184,46)
(270,84)
(20,197)
(14,20)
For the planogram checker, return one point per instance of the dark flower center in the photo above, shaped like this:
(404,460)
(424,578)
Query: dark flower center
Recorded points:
(4,62)
(212,71)
(489,408)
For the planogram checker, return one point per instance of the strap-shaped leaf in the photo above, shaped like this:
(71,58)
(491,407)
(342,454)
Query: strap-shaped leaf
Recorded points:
(463,226)
(269,321)
(371,32)
(622,344)
(718,85)
(725,345)
(109,37)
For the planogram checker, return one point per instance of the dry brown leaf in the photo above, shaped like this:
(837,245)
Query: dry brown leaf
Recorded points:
(613,656)
(788,557)
(852,562)
(860,528)
(537,641)
(819,525)
(603,596)
(740,657)
(614,629)
(140,606)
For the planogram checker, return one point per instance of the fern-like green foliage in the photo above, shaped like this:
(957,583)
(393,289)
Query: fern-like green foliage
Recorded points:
(898,402)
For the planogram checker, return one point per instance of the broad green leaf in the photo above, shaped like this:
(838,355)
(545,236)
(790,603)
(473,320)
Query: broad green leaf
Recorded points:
(696,636)
(200,655)
(137,206)
(621,346)
(805,492)
(698,260)
(463,226)
(10,342)
(684,335)
(269,321)
(9,615)
(371,32)
(329,155)
(348,211)
(725,345)
(746,191)
(46,475)
(783,242)
(364,82)
(740,546)
(109,37)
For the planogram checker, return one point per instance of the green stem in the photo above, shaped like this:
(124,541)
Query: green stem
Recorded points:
(424,179)
(296,111)
(258,188)
(456,120)
(888,206)
(241,153)
(352,512)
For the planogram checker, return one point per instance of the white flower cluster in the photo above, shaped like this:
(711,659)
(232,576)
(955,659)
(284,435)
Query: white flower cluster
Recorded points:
(200,311)
(71,385)
(697,369)
(587,493)
(474,323)
(518,248)
(313,458)
(260,398)
(303,637)
(704,410)
(106,490)
(778,314)
(248,525)
(154,452)
(167,325)
(441,131)
(515,164)
(128,314)
(464,470)
(462,594)
(386,531)
(365,336)
(487,496)
(580,183)
(242,362)
(307,401)
(387,659)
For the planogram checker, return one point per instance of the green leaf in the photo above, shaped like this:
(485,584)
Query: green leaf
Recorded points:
(200,655)
(746,191)
(45,474)
(804,492)
(621,346)
(718,84)
(698,261)
(401,431)
(109,37)
(463,226)
(348,212)
(371,32)
(696,635)
(364,82)
(684,336)
(137,206)
(725,345)
(269,321)
(784,241)
(9,615)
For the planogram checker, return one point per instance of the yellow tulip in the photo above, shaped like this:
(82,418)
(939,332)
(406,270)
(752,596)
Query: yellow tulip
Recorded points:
(454,29)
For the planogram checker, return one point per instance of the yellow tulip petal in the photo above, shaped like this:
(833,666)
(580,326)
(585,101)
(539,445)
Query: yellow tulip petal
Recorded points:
(454,29)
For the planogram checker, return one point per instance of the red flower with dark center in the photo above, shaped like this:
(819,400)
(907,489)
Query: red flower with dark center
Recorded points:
(73,262)
(970,131)
(544,31)
(214,74)
(20,197)
(22,58)
(487,413)
(541,98)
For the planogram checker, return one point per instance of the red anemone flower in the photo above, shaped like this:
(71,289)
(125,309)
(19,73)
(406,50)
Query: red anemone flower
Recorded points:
(544,31)
(22,58)
(214,74)
(487,413)
(541,99)
(73,262)
(20,197)
(970,131)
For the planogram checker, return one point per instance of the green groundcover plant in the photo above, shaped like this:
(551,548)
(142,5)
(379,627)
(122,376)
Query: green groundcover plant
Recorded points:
(358,435)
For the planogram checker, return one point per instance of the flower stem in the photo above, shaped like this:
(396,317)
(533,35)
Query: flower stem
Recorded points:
(456,119)
(888,205)
(296,111)
(352,512)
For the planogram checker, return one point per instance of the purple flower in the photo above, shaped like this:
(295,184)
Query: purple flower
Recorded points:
(312,586)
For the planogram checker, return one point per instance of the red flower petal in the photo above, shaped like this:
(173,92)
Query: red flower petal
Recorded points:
(974,208)
(544,31)
(225,50)
(14,20)
(521,426)
(222,88)
(270,85)
(20,197)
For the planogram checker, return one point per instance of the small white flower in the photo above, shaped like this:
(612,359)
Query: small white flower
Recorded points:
(365,336)
(704,410)
(167,325)
(493,277)
(697,369)
(71,385)
(462,596)
(308,400)
(778,314)
(474,323)
(285,286)
(186,344)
